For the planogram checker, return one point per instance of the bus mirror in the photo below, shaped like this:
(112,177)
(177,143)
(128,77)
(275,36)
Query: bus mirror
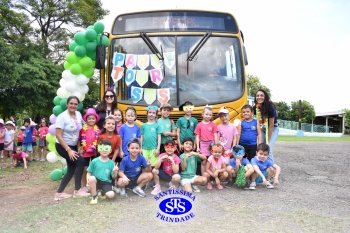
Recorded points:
(245,56)
(100,56)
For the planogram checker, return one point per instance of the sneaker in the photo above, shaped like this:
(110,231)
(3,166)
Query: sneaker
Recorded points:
(80,193)
(269,185)
(4,165)
(42,160)
(93,200)
(85,189)
(219,186)
(252,185)
(156,190)
(101,196)
(123,192)
(171,185)
(12,166)
(139,191)
(195,189)
(33,160)
(209,186)
(60,196)
(116,189)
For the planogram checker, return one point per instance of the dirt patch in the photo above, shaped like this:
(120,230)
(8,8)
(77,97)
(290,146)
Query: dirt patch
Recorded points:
(314,195)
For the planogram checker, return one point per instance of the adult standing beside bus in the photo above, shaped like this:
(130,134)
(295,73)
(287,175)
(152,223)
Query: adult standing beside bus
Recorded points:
(68,126)
(106,106)
(265,112)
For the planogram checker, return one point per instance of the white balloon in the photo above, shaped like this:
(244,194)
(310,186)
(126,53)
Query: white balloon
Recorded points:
(83,89)
(71,86)
(67,75)
(80,96)
(62,82)
(63,93)
(63,161)
(81,80)
(52,157)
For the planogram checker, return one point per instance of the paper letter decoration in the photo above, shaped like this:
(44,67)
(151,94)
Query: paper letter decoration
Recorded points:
(117,73)
(130,77)
(143,61)
(130,61)
(169,59)
(136,94)
(155,62)
(150,95)
(156,76)
(118,59)
(142,77)
(163,95)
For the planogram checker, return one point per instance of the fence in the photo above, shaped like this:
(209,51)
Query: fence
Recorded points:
(312,128)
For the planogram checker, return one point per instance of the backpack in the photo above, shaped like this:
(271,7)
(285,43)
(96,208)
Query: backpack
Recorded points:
(240,177)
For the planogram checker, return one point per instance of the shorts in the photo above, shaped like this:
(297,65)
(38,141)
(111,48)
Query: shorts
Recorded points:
(259,179)
(2,146)
(133,181)
(149,155)
(19,143)
(33,144)
(42,142)
(9,147)
(27,147)
(204,147)
(88,160)
(165,176)
(104,186)
(188,181)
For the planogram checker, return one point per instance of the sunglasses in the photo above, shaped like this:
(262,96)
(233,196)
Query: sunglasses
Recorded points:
(104,148)
(188,108)
(109,96)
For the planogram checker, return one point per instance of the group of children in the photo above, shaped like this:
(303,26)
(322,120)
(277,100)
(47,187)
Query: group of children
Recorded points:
(19,146)
(131,157)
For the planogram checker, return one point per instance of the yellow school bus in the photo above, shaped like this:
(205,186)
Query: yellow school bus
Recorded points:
(176,56)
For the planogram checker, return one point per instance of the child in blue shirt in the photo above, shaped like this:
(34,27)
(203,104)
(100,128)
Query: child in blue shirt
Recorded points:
(27,144)
(264,168)
(134,170)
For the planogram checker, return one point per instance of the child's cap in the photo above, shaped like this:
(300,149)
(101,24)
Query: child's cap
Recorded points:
(22,127)
(90,112)
(181,107)
(10,123)
(166,105)
(1,121)
(238,150)
(222,110)
(26,120)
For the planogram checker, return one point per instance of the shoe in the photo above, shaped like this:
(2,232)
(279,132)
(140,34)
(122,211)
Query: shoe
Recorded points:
(80,193)
(269,185)
(171,185)
(139,191)
(101,196)
(4,165)
(156,190)
(12,166)
(42,160)
(60,196)
(85,189)
(195,189)
(116,189)
(219,186)
(123,192)
(33,160)
(209,186)
(93,200)
(252,185)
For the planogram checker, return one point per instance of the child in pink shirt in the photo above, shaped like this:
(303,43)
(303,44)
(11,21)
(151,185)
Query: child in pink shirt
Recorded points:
(20,156)
(216,167)
(43,131)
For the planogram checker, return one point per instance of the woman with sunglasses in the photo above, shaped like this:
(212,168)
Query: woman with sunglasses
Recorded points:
(107,106)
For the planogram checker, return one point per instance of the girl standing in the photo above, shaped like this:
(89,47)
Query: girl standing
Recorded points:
(265,112)
(88,141)
(129,130)
(43,131)
(8,143)
(118,117)
(20,136)
(206,134)
(108,132)
(216,167)
(151,136)
(68,126)
(2,134)
(106,106)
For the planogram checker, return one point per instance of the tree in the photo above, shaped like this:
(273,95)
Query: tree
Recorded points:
(254,84)
(347,118)
(283,110)
(308,112)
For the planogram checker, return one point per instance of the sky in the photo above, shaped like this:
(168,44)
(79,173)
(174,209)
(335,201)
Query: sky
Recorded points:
(299,49)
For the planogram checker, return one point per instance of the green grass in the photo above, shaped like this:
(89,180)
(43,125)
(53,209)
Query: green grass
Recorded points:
(313,139)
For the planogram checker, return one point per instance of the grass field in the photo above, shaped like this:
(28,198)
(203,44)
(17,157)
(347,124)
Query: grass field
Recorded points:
(312,139)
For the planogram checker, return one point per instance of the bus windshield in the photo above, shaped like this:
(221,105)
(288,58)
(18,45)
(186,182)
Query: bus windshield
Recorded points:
(214,75)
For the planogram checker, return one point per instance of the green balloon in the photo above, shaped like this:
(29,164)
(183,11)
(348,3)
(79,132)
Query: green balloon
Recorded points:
(56,174)
(65,169)
(88,72)
(99,27)
(91,55)
(91,46)
(72,58)
(66,65)
(57,110)
(85,63)
(90,34)
(105,40)
(52,147)
(63,103)
(72,46)
(80,50)
(80,106)
(91,27)
(50,138)
(79,38)
(75,69)
(57,100)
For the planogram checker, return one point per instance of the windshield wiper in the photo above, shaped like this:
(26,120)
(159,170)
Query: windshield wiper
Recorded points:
(198,46)
(151,46)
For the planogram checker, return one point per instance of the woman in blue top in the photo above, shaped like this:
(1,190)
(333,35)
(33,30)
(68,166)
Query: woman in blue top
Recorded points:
(265,110)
